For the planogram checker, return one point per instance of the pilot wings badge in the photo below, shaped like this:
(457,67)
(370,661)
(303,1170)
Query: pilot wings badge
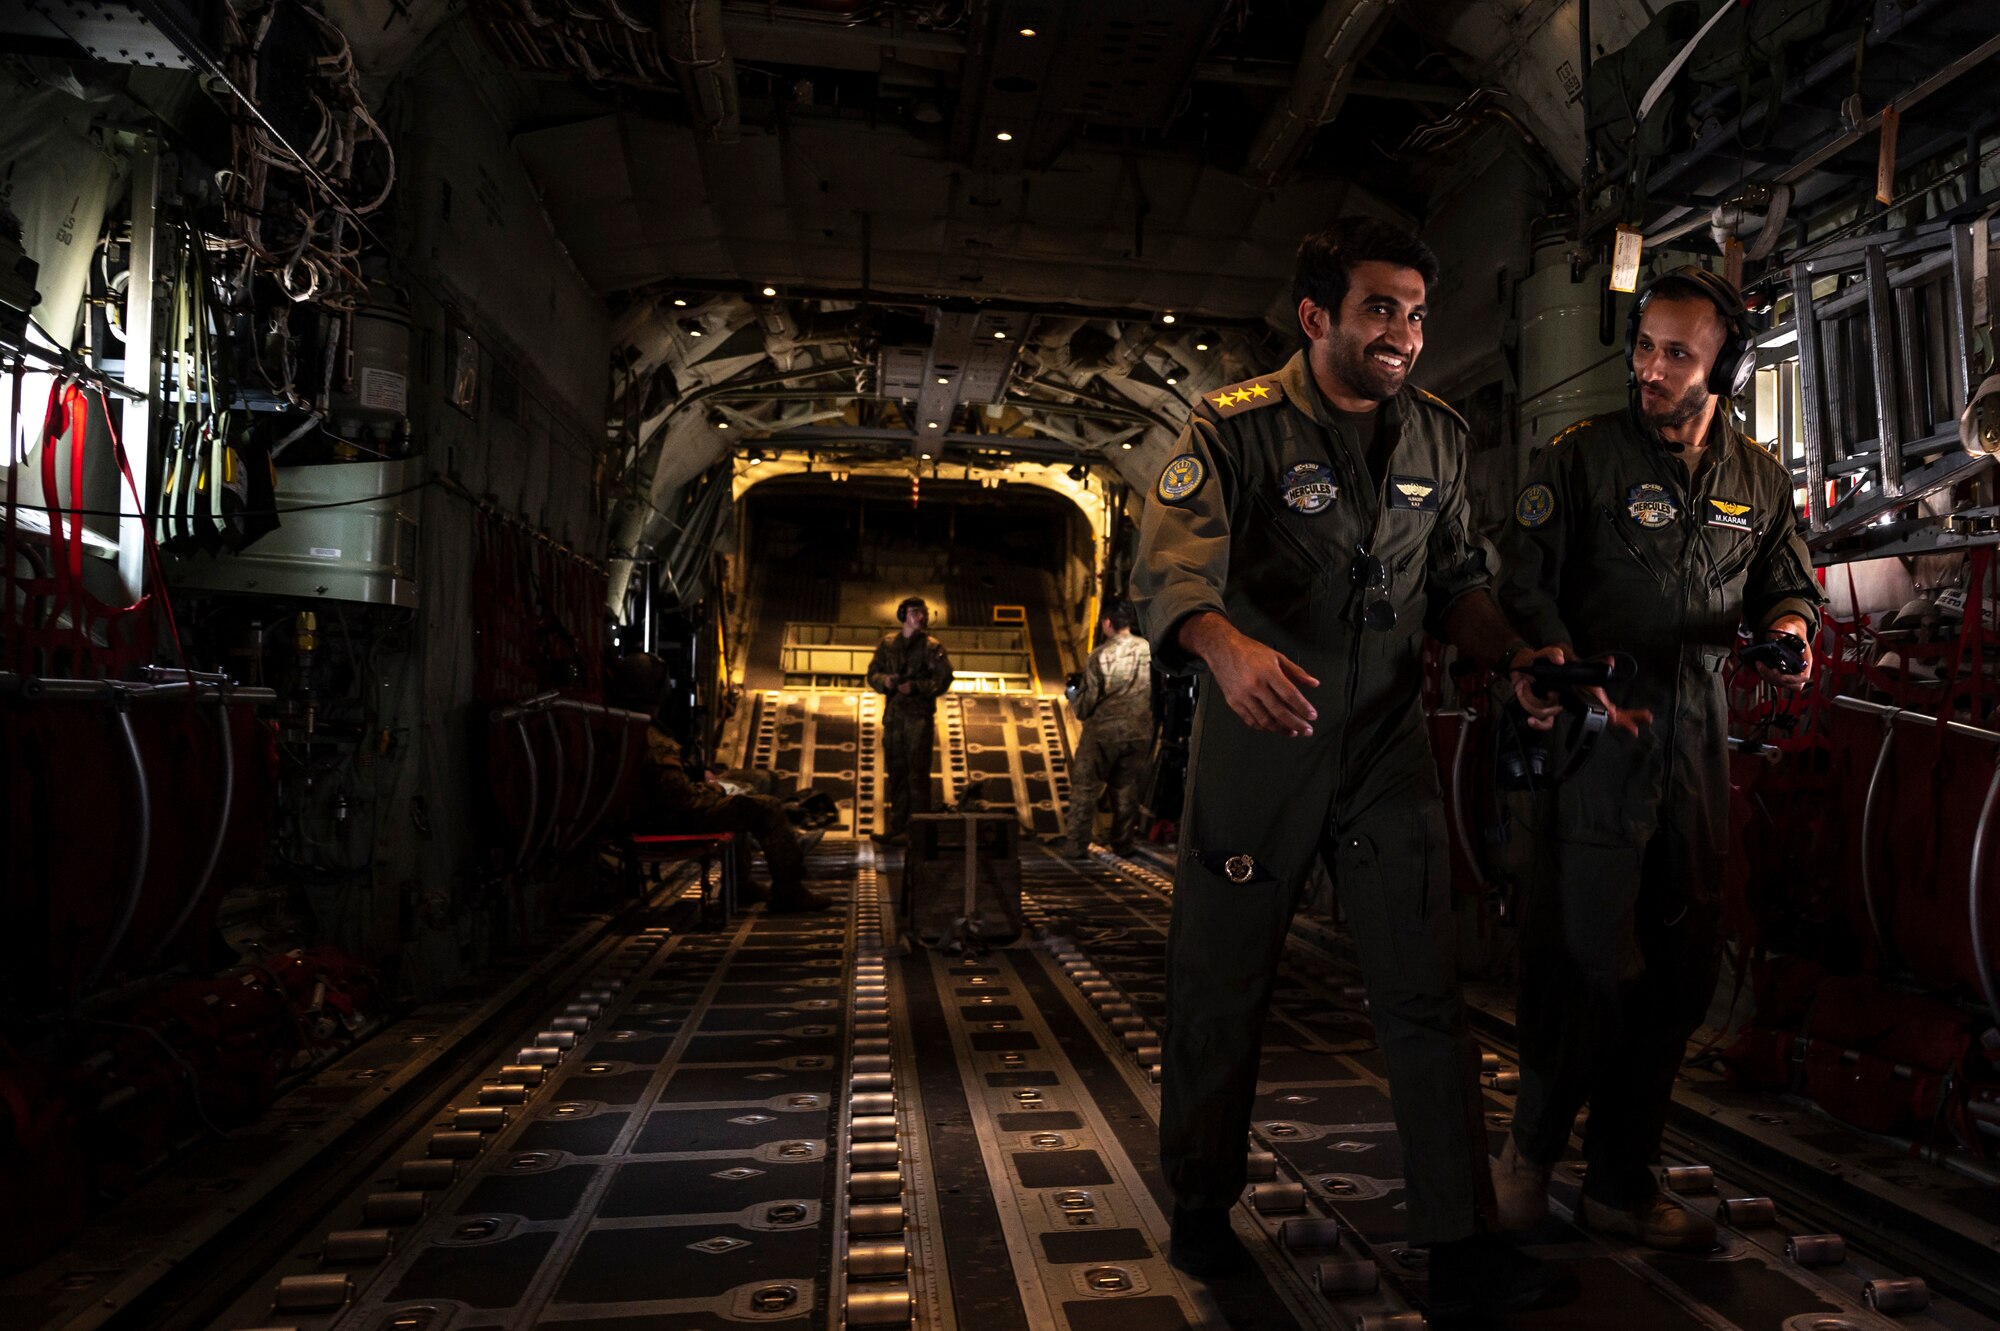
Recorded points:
(1417,493)
(1723,513)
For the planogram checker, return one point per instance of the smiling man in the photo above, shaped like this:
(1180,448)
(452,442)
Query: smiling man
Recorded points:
(1658,531)
(1310,526)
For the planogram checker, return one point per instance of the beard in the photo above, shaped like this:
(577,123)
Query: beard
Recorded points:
(1365,377)
(1680,412)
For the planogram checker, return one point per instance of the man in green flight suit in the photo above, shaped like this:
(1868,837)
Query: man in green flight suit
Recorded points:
(1114,700)
(910,668)
(1658,531)
(1310,526)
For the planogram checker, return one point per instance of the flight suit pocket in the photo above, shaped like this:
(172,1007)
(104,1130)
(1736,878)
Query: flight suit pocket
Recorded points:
(1291,530)
(1393,876)
(1614,798)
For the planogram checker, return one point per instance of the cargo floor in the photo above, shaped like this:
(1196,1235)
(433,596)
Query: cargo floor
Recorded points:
(791,1122)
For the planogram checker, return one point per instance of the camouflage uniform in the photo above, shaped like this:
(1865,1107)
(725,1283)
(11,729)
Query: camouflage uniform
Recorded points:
(909,727)
(671,802)
(1115,704)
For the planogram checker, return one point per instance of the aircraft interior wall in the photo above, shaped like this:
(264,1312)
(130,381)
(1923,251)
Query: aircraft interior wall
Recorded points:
(457,848)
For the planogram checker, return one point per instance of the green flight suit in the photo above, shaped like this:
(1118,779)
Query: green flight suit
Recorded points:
(1259,516)
(1115,704)
(1612,548)
(909,720)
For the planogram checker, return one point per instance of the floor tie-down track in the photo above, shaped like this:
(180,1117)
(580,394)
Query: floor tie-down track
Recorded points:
(786,1122)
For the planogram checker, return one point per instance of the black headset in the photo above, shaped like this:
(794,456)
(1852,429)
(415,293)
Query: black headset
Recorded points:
(909,601)
(1737,359)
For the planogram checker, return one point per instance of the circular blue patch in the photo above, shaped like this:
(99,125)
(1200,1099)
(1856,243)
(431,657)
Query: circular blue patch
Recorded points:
(1181,478)
(1307,487)
(1652,504)
(1536,505)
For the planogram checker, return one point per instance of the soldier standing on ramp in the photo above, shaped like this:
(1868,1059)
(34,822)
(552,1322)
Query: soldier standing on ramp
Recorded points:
(910,669)
(1114,700)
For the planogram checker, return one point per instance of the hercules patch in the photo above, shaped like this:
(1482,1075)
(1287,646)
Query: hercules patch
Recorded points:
(1723,513)
(1651,504)
(1536,505)
(1181,478)
(1307,487)
(1419,493)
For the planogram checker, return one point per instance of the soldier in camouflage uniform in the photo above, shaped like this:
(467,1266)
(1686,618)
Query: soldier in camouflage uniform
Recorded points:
(911,670)
(1114,700)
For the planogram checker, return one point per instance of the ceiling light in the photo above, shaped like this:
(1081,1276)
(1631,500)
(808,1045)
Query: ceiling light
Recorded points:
(1127,445)
(1004,137)
(930,425)
(680,301)
(1201,346)
(722,425)
(1000,333)
(1167,318)
(756,456)
(925,456)
(1027,32)
(943,379)
(770,291)
(1078,472)
(1172,379)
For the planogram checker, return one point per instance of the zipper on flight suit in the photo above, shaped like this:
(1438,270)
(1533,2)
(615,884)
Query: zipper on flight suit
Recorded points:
(1631,546)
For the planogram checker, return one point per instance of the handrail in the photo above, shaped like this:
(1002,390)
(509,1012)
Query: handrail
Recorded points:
(137,885)
(610,789)
(555,782)
(552,700)
(1868,835)
(221,834)
(534,791)
(206,688)
(565,846)
(1975,914)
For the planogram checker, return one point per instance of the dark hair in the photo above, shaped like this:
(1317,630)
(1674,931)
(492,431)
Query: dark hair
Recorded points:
(1328,256)
(909,601)
(1678,285)
(1120,612)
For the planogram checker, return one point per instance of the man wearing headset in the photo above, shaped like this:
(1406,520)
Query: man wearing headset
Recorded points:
(910,669)
(1659,531)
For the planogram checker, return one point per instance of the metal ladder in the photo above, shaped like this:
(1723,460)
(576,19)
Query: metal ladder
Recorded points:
(1885,364)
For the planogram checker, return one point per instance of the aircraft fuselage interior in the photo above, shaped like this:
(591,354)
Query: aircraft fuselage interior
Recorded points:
(1000,665)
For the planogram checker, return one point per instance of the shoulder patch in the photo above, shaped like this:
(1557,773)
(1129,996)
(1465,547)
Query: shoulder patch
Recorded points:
(1434,400)
(1263,391)
(1536,505)
(1181,477)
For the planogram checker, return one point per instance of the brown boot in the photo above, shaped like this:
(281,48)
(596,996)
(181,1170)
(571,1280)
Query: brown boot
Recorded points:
(1658,1222)
(1520,1189)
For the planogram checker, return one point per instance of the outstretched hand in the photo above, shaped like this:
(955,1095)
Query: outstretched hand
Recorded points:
(1261,684)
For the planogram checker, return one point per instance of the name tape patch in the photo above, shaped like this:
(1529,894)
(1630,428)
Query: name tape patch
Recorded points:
(1728,513)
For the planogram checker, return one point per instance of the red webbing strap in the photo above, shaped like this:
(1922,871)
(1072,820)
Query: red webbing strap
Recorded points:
(11,551)
(146,534)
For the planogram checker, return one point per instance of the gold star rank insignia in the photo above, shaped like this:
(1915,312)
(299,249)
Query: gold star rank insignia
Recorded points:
(1250,393)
